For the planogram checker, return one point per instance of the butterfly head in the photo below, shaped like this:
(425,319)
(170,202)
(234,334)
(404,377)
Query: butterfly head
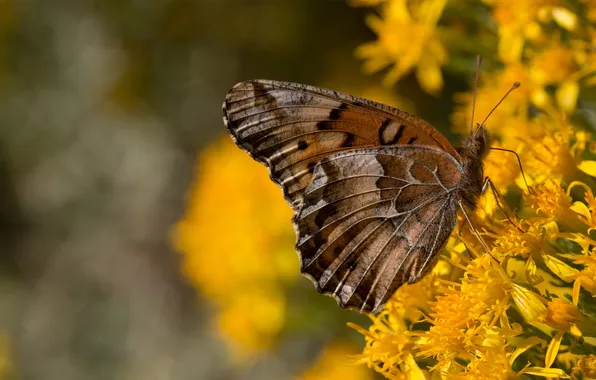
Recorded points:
(477,143)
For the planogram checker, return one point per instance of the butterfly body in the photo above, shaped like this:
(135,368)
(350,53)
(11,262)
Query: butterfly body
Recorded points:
(374,189)
(472,151)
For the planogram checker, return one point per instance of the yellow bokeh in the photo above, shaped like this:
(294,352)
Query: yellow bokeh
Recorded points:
(237,245)
(407,40)
(335,362)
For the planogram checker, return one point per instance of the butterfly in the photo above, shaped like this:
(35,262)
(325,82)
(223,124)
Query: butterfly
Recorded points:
(375,190)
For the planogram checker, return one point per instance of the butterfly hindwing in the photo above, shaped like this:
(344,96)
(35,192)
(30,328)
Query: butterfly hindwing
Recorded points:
(291,127)
(375,218)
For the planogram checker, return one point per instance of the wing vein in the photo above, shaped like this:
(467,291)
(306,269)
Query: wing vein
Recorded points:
(310,212)
(411,248)
(335,181)
(435,241)
(349,254)
(375,259)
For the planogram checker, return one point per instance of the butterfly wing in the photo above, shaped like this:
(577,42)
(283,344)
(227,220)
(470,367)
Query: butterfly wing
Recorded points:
(375,218)
(291,127)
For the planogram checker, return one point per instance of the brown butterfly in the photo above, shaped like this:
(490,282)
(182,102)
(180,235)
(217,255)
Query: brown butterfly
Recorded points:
(375,190)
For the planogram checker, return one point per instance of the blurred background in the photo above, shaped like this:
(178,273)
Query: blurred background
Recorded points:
(114,164)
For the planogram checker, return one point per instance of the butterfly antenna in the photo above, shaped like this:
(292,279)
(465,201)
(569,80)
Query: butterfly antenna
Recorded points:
(513,87)
(478,62)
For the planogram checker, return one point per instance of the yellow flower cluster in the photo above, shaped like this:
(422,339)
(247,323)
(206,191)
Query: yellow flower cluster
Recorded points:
(407,39)
(529,307)
(238,253)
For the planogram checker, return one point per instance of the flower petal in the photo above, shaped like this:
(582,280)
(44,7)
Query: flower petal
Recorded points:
(553,348)
(412,370)
(545,372)
(567,94)
(530,305)
(511,44)
(577,287)
(559,268)
(588,167)
(528,343)
(581,209)
(429,76)
(565,18)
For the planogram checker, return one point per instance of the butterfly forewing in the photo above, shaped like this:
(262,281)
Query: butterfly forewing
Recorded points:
(372,186)
(375,218)
(290,127)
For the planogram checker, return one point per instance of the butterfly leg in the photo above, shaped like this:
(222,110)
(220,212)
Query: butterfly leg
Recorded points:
(475,232)
(521,169)
(459,227)
(488,184)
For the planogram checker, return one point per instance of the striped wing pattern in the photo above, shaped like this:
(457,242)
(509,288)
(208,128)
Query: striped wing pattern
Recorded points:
(371,185)
(290,127)
(374,219)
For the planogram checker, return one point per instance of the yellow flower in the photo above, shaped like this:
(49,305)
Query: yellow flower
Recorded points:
(562,315)
(551,155)
(511,241)
(495,358)
(522,20)
(412,300)
(586,365)
(250,321)
(481,299)
(238,253)
(586,277)
(388,345)
(586,211)
(490,359)
(556,65)
(549,199)
(552,65)
(407,39)
(334,362)
(552,202)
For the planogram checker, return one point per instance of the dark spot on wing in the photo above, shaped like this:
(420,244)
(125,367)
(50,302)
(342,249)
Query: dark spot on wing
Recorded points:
(324,125)
(411,140)
(302,145)
(322,215)
(335,113)
(386,123)
(348,141)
